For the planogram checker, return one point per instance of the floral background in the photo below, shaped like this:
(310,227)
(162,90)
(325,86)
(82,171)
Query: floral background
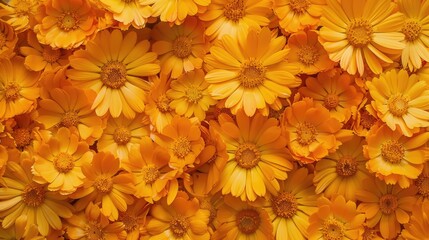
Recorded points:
(214,119)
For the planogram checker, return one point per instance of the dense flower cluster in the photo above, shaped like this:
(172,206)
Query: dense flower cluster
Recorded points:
(214,119)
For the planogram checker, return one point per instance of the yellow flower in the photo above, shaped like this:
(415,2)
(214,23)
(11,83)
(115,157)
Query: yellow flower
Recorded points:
(250,72)
(113,66)
(8,39)
(20,13)
(129,12)
(400,100)
(257,157)
(361,32)
(418,226)
(295,15)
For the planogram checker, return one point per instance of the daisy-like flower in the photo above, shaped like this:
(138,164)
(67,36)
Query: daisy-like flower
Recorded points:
(59,161)
(250,72)
(312,133)
(105,185)
(18,88)
(235,17)
(394,157)
(257,157)
(8,39)
(22,196)
(343,171)
(65,23)
(113,66)
(134,218)
(180,48)
(418,226)
(400,100)
(129,12)
(239,220)
(306,50)
(361,32)
(19,13)
(182,219)
(295,15)
(336,219)
(336,91)
(386,205)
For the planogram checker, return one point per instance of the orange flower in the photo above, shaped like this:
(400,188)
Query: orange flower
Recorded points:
(20,13)
(418,226)
(128,12)
(295,15)
(134,218)
(422,184)
(8,39)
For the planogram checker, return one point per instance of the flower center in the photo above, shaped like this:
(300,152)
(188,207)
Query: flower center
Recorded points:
(392,151)
(234,10)
(94,230)
(206,204)
(248,221)
(103,184)
(332,229)
(193,94)
(127,1)
(51,55)
(33,195)
(306,133)
(70,119)
(68,21)
(398,105)
(299,6)
(63,162)
(130,221)
(411,29)
(179,226)
(388,203)
(182,47)
(422,184)
(150,174)
(22,137)
(11,92)
(331,101)
(285,205)
(114,74)
(247,155)
(346,166)
(122,136)
(308,55)
(367,120)
(23,7)
(252,74)
(181,147)
(163,103)
(359,33)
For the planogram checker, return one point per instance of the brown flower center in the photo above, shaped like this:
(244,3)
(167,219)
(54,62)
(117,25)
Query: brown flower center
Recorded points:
(285,205)
(114,74)
(306,133)
(252,74)
(163,103)
(182,47)
(193,94)
(11,92)
(346,166)
(332,229)
(247,155)
(68,21)
(234,10)
(94,230)
(299,6)
(69,119)
(422,184)
(63,162)
(103,184)
(359,32)
(388,203)
(367,120)
(130,221)
(308,55)
(51,55)
(22,137)
(398,105)
(411,29)
(122,136)
(331,101)
(181,147)
(392,151)
(248,221)
(33,195)
(179,226)
(150,174)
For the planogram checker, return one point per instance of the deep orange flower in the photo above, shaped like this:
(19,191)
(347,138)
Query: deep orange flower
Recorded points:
(295,15)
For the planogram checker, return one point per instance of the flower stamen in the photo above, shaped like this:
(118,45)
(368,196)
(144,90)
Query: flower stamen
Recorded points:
(285,205)
(247,155)
(252,74)
(114,74)
(392,151)
(359,32)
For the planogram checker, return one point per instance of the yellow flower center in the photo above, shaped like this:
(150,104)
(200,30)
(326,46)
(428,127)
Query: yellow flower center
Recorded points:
(346,166)
(234,10)
(331,101)
(130,221)
(398,105)
(388,204)
(121,135)
(23,7)
(33,195)
(69,119)
(285,205)
(299,6)
(193,94)
(150,174)
(51,55)
(163,103)
(247,155)
(94,230)
(411,29)
(248,221)
(22,137)
(392,151)
(306,133)
(308,55)
(114,74)
(179,226)
(68,21)
(252,74)
(359,32)
(181,147)
(63,162)
(11,92)
(182,47)
(103,184)
(367,120)
(332,229)
(422,184)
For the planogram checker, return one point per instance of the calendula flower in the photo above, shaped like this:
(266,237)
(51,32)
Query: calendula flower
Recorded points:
(18,88)
(235,17)
(257,157)
(19,13)
(400,100)
(250,72)
(295,15)
(418,226)
(394,157)
(358,33)
(180,48)
(134,218)
(130,12)
(113,66)
(385,205)
(8,39)
(336,219)
(65,23)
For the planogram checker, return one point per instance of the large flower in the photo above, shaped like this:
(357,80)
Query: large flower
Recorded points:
(128,12)
(113,66)
(361,31)
(20,13)
(250,72)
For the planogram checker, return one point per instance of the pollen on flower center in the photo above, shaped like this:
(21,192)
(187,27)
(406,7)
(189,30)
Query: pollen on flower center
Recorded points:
(299,6)
(234,10)
(331,101)
(12,91)
(346,166)
(179,226)
(150,174)
(252,74)
(68,21)
(247,155)
(392,151)
(306,133)
(22,8)
(285,205)
(114,74)
(130,222)
(248,221)
(332,229)
(308,55)
(367,120)
(181,147)
(103,184)
(22,137)
(411,29)
(182,47)
(398,105)
(422,184)
(388,203)
(63,162)
(121,135)
(163,103)
(359,33)
(193,94)
(33,195)
(94,230)
(51,55)
(70,119)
